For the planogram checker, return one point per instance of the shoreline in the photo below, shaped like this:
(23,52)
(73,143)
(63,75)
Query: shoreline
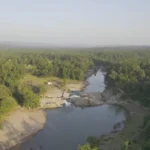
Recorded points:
(112,100)
(21,125)
(88,74)
(11,144)
(17,146)
(132,125)
(53,96)
(15,142)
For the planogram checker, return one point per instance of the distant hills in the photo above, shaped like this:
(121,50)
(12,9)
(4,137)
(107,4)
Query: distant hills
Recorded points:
(15,45)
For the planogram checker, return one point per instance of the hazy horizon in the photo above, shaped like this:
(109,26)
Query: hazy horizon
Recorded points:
(80,23)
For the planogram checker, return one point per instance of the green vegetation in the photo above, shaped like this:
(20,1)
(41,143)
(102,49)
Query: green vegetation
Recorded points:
(93,141)
(24,75)
(7,102)
(126,145)
(133,78)
(27,97)
(145,134)
(87,147)
(69,66)
(92,144)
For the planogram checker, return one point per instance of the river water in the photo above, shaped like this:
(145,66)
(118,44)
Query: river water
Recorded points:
(96,82)
(68,127)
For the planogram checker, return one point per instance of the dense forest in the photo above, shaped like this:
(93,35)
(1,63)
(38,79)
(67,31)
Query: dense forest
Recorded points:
(127,72)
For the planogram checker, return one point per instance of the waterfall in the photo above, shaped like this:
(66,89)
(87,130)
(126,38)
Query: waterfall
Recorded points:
(67,104)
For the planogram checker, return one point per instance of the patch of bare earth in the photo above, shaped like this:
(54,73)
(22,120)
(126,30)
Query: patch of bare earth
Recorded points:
(19,125)
(53,97)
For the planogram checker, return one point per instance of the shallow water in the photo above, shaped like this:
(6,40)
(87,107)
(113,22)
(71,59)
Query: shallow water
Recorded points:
(68,127)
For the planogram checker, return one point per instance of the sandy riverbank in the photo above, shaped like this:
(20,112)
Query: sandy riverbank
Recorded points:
(19,125)
(53,97)
(23,123)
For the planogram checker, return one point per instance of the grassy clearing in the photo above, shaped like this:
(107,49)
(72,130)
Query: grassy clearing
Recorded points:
(37,80)
(131,131)
(44,80)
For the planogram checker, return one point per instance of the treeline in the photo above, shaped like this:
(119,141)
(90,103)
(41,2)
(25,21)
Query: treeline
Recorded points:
(11,92)
(70,66)
(130,74)
(14,66)
(128,71)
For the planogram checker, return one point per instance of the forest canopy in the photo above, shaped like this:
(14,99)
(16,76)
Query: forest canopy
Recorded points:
(128,71)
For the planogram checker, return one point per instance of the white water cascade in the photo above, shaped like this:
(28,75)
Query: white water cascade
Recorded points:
(67,104)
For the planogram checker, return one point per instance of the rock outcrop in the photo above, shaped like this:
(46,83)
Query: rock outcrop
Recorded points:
(109,97)
(90,99)
(94,99)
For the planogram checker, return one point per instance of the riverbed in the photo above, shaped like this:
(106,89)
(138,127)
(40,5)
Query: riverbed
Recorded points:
(69,126)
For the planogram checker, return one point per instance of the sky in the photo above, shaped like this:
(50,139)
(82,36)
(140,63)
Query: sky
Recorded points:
(75,22)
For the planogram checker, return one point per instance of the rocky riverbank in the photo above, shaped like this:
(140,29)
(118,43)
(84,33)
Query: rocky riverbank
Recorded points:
(94,99)
(53,97)
(87,99)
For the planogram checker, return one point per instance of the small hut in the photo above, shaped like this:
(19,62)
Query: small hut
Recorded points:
(49,83)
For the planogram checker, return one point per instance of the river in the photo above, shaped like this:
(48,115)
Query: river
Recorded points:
(67,127)
(96,82)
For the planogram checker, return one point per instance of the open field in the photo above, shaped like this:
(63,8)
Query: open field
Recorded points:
(44,80)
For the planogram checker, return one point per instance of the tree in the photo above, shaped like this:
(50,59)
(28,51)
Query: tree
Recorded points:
(4,92)
(93,141)
(28,99)
(63,86)
(146,120)
(126,145)
(87,147)
(7,104)
(147,145)
(147,130)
